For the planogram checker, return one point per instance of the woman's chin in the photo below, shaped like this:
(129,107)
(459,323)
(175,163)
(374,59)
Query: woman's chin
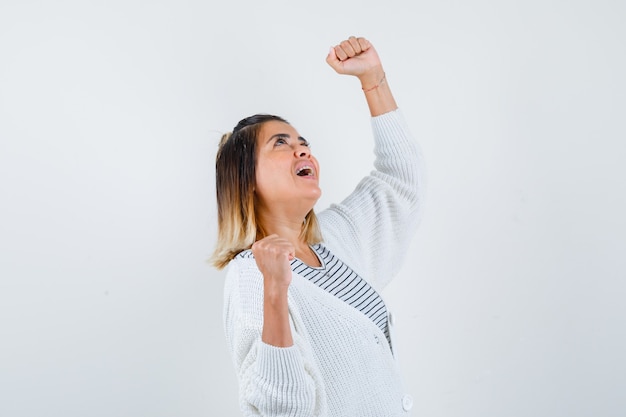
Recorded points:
(316,194)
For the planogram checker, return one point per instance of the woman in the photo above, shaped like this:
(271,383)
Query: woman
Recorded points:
(308,331)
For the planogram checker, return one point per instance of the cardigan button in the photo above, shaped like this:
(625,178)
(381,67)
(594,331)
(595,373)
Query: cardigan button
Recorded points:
(407,402)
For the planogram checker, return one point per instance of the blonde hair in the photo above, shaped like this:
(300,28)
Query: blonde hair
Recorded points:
(235,178)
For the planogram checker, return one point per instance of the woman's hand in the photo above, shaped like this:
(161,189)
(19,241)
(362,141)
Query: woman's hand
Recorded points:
(273,255)
(356,56)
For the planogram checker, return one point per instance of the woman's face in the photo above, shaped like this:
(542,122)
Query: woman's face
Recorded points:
(286,172)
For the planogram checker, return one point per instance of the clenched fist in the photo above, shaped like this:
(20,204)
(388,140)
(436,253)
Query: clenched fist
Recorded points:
(356,56)
(273,255)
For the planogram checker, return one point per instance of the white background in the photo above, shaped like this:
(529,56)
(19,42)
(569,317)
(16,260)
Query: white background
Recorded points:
(110,113)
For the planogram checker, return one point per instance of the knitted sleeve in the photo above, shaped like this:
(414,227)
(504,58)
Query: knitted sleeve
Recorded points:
(273,381)
(372,227)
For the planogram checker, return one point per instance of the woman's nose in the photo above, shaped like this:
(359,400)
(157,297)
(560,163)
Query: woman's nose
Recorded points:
(302,151)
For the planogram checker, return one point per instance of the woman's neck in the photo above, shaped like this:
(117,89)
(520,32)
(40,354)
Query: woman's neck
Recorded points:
(289,228)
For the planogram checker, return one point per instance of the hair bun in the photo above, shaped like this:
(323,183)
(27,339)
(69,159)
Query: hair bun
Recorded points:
(225,138)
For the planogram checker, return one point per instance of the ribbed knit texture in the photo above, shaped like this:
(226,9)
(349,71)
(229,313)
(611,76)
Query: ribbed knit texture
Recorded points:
(340,364)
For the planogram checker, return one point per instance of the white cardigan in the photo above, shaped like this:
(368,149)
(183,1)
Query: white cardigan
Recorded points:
(340,364)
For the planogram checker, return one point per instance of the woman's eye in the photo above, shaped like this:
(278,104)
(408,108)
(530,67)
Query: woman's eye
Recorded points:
(280,141)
